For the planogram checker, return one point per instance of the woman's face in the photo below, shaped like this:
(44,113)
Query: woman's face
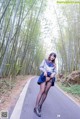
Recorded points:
(52,57)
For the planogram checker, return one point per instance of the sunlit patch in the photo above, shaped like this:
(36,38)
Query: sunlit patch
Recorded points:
(58,115)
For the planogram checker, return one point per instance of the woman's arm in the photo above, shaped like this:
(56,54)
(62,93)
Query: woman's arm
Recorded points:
(54,72)
(52,75)
(42,66)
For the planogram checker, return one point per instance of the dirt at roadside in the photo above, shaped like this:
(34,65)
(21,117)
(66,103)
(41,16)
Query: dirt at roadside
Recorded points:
(9,98)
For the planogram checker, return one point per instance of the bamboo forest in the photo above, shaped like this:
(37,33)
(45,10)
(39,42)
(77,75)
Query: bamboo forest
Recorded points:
(32,29)
(21,42)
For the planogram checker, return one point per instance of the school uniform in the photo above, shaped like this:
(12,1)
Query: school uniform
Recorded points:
(48,67)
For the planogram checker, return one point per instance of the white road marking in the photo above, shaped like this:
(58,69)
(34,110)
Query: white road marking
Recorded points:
(67,95)
(18,107)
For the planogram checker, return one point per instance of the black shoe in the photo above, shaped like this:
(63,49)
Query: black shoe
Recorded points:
(36,111)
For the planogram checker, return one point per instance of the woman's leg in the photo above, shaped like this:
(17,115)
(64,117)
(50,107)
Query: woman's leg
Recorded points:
(44,95)
(42,88)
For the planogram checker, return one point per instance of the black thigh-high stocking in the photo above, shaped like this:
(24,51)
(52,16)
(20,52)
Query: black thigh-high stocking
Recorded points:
(44,95)
(42,88)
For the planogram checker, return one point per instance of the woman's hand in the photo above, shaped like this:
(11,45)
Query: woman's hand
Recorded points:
(45,73)
(48,79)
(52,75)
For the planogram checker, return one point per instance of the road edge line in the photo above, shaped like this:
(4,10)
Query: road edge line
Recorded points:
(18,107)
(65,93)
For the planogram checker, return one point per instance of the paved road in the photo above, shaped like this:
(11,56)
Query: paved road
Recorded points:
(57,105)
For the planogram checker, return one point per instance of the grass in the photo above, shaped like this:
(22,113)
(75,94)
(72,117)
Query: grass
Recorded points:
(73,89)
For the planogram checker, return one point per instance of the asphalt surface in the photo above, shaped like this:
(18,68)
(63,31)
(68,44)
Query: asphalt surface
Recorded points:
(57,105)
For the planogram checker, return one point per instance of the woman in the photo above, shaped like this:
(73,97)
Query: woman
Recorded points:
(46,80)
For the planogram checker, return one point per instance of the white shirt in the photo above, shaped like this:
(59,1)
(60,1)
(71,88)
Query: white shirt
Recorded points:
(45,67)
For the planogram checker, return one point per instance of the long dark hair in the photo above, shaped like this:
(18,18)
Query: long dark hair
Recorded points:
(54,54)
